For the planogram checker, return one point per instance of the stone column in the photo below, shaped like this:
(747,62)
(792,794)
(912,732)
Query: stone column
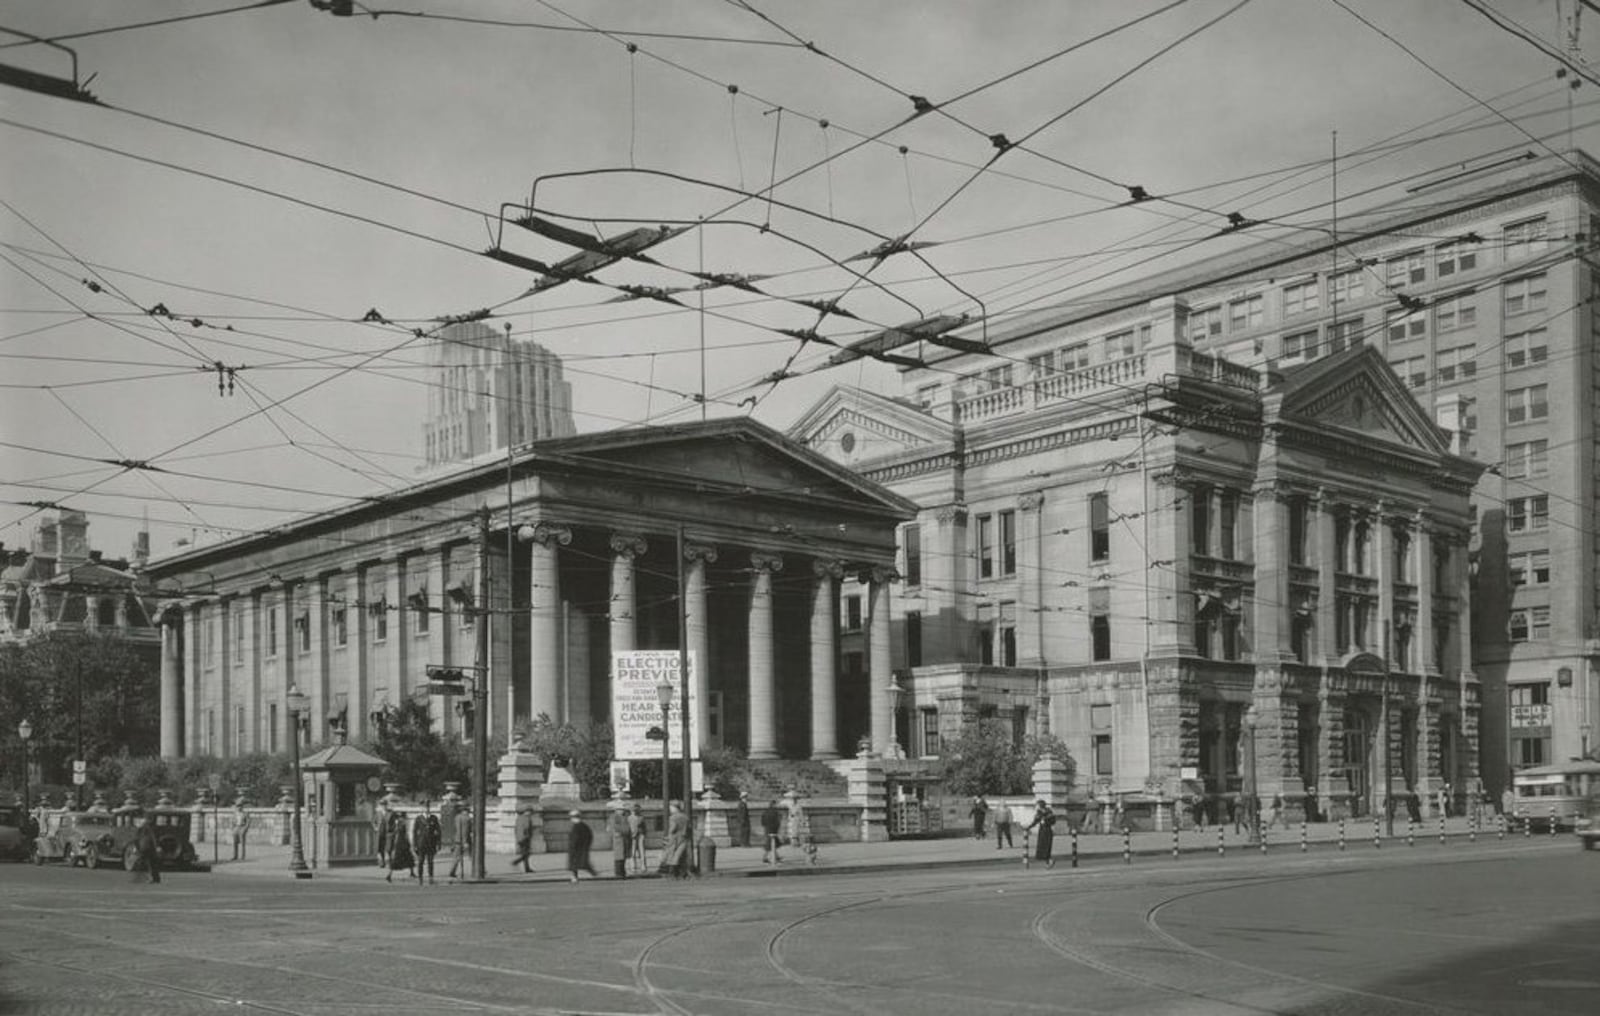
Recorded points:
(1327,566)
(624,624)
(1422,563)
(763,690)
(544,623)
(1383,540)
(171,685)
(1270,548)
(193,715)
(880,674)
(825,660)
(1461,577)
(696,556)
(1030,568)
(944,577)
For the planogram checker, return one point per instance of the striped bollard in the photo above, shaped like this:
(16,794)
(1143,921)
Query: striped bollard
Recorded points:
(1552,820)
(1527,826)
(1341,834)
(1302,836)
(1127,846)
(1377,831)
(1472,828)
(1174,840)
(1262,830)
(1074,846)
(1500,826)
(1221,846)
(1410,828)
(1441,829)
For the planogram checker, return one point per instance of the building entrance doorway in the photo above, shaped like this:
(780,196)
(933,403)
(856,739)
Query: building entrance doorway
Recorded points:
(1358,755)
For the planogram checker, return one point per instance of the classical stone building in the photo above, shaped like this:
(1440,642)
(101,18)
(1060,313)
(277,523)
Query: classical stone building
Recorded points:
(351,605)
(58,584)
(1169,560)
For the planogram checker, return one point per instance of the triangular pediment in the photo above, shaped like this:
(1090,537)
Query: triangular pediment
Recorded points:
(853,426)
(1359,392)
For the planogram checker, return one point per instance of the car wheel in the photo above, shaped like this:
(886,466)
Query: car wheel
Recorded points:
(91,857)
(130,858)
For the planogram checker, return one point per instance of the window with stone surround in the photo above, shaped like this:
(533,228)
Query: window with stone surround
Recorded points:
(1205,323)
(1456,257)
(1529,567)
(1527,349)
(1527,459)
(1525,295)
(1529,624)
(1459,363)
(1527,405)
(1405,325)
(1246,313)
(1452,313)
(1300,298)
(1406,269)
(1346,286)
(1528,514)
(930,732)
(1099,527)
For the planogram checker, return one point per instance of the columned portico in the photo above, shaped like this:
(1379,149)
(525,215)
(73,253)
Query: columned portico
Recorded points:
(625,547)
(880,674)
(824,660)
(544,626)
(697,625)
(171,683)
(763,696)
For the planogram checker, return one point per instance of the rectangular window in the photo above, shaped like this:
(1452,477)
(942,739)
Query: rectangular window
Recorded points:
(341,624)
(1525,239)
(380,621)
(270,646)
(208,640)
(1074,357)
(1246,313)
(419,604)
(1458,364)
(302,624)
(1456,257)
(913,638)
(1413,370)
(930,733)
(1300,346)
(1120,346)
(1040,366)
(852,613)
(1227,525)
(238,634)
(1100,636)
(1300,631)
(1300,298)
(1525,295)
(1525,405)
(1403,325)
(1102,755)
(1344,335)
(1299,524)
(1528,514)
(1527,459)
(985,546)
(1205,323)
(1529,568)
(1099,527)
(1346,286)
(1527,349)
(272,728)
(1200,520)
(1400,541)
(1455,312)
(1530,694)
(1531,624)
(1007,635)
(1008,542)
(1530,751)
(996,378)
(239,741)
(1406,269)
(913,542)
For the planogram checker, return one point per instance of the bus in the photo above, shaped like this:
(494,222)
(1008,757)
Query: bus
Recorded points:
(1563,793)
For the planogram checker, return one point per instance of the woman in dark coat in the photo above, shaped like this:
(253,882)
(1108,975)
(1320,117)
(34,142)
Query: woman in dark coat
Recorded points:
(1045,841)
(579,839)
(400,858)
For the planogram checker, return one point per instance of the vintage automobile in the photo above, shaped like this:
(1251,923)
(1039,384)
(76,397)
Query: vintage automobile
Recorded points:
(76,836)
(172,840)
(15,842)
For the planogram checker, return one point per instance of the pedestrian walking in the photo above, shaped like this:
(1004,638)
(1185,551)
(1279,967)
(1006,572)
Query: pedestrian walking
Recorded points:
(524,834)
(675,852)
(462,843)
(621,841)
(1044,819)
(241,830)
(400,858)
(741,820)
(980,814)
(636,830)
(1275,811)
(1002,825)
(579,839)
(771,823)
(380,832)
(800,830)
(426,835)
(148,866)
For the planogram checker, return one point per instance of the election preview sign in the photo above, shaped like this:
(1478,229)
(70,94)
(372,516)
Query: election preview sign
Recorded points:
(635,707)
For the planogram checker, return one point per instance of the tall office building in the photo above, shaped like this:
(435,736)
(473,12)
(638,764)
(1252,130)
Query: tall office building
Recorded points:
(490,392)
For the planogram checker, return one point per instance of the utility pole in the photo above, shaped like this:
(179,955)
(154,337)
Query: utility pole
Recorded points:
(683,687)
(480,702)
(78,784)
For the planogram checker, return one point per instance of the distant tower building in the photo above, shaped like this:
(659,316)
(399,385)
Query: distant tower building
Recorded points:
(489,392)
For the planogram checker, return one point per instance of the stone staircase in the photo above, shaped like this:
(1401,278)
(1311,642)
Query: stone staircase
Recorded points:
(771,778)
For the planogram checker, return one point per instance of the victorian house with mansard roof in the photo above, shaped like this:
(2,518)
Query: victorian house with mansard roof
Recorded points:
(58,584)
(1179,564)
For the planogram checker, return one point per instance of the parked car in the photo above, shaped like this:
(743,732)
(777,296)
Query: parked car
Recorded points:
(76,836)
(15,842)
(172,840)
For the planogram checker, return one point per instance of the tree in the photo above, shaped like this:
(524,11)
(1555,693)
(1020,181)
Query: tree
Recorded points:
(112,683)
(420,759)
(985,759)
(584,753)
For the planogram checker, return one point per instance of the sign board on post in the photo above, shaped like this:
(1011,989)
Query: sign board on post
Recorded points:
(635,708)
(621,780)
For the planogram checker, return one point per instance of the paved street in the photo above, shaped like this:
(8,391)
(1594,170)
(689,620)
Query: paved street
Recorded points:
(1489,927)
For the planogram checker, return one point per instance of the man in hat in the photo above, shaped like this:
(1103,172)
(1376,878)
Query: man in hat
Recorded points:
(741,820)
(579,839)
(524,831)
(462,843)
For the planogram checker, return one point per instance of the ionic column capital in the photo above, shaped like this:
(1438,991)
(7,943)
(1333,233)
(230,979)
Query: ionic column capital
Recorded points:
(547,534)
(766,561)
(628,544)
(700,552)
(827,568)
(880,574)
(1031,501)
(946,514)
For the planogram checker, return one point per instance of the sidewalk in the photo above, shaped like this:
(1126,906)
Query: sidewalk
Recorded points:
(950,852)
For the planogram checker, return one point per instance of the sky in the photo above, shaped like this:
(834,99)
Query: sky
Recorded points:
(254,182)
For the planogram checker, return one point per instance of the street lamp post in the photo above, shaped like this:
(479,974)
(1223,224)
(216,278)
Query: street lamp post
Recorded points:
(664,696)
(25,731)
(296,703)
(1255,787)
